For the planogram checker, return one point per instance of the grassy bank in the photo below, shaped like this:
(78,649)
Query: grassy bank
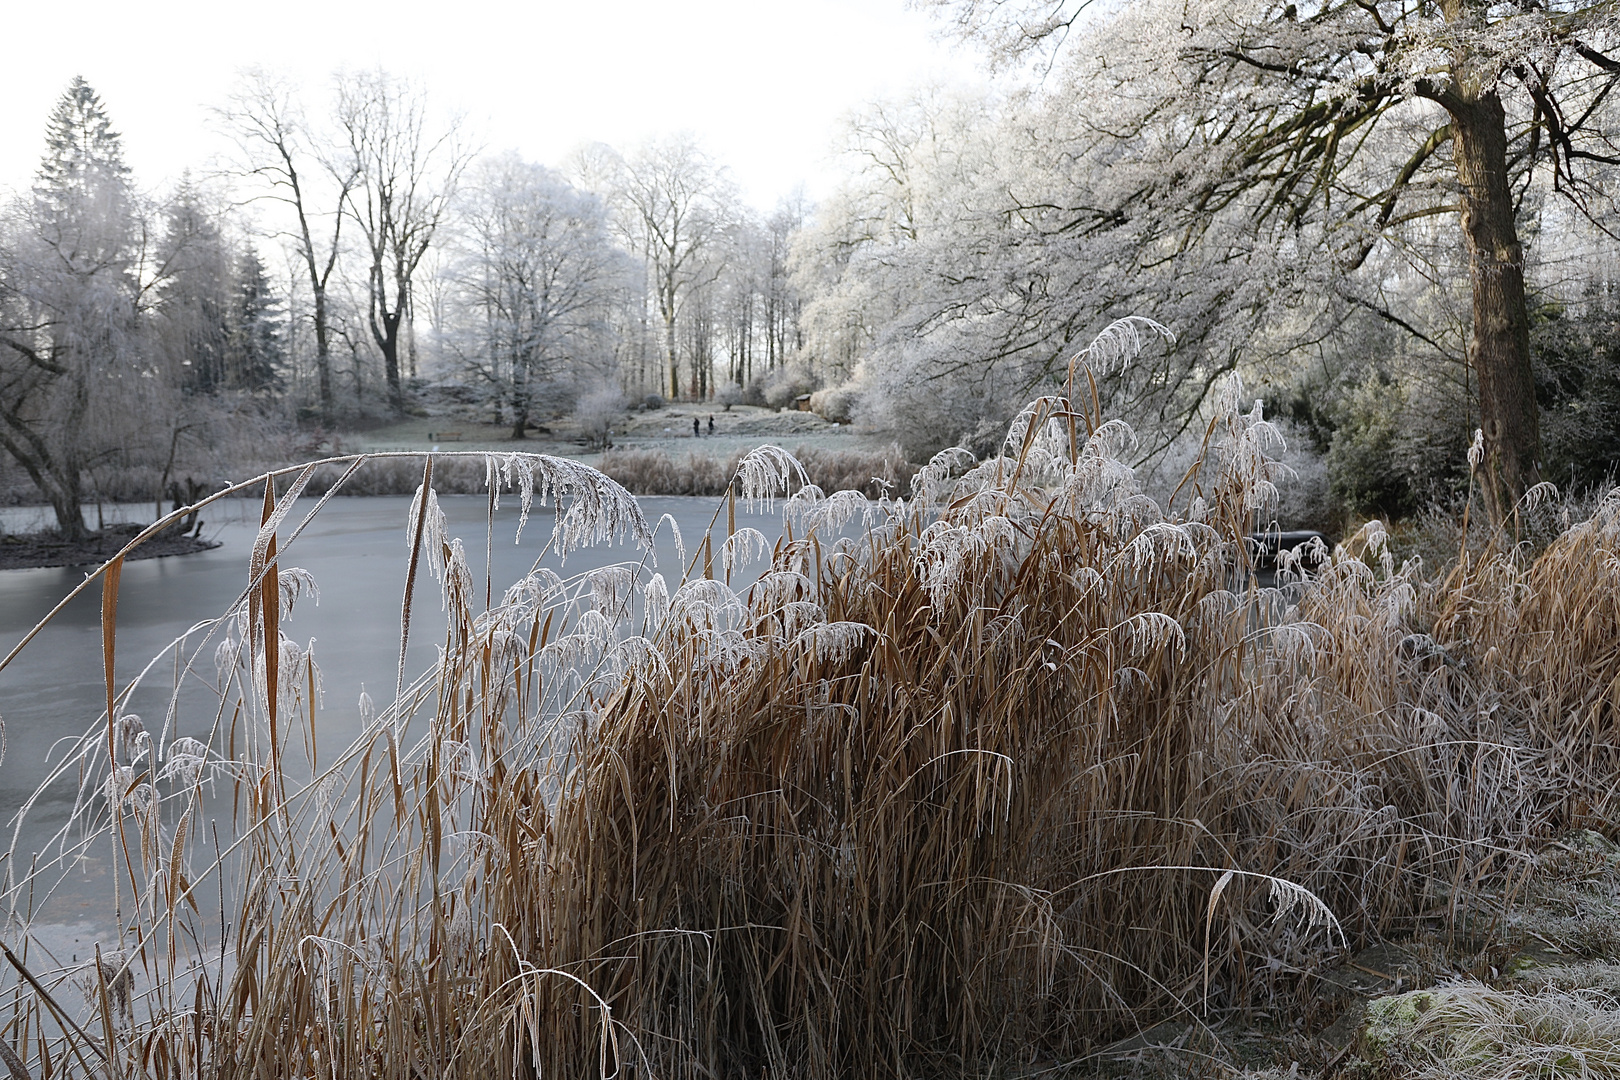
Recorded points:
(1028,764)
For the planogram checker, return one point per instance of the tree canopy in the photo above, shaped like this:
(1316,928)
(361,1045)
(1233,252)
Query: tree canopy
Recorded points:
(1335,130)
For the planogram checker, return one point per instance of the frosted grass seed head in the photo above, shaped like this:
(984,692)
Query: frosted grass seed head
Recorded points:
(795,616)
(638,658)
(296,582)
(133,741)
(1119,342)
(934,484)
(742,547)
(838,510)
(801,503)
(597,509)
(707,603)
(766,473)
(533,592)
(675,536)
(426,516)
(612,589)
(185,762)
(723,652)
(227,656)
(655,603)
(833,642)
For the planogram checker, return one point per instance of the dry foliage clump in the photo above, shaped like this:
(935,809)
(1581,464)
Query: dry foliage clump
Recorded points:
(968,780)
(1469,1031)
(656,472)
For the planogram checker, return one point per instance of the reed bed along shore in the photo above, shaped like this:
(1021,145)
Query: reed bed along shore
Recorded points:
(968,782)
(874,473)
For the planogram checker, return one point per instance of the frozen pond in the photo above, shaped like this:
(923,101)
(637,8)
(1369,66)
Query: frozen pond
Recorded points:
(356,550)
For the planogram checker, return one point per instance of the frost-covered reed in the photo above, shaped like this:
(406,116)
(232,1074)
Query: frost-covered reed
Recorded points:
(1027,760)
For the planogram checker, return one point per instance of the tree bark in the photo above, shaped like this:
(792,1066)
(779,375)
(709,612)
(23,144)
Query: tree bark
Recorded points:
(670,353)
(385,332)
(520,395)
(67,489)
(31,452)
(323,350)
(1499,351)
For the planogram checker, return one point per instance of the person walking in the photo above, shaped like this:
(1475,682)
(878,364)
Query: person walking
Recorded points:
(695,427)
(711,427)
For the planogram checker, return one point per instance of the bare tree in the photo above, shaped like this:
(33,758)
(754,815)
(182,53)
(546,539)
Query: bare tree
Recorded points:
(674,199)
(268,127)
(537,262)
(406,174)
(782,302)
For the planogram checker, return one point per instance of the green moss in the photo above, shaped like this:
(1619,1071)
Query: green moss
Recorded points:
(1590,841)
(1391,1021)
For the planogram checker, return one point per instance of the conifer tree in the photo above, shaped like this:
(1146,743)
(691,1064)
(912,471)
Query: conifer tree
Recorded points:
(197,269)
(84,155)
(257,342)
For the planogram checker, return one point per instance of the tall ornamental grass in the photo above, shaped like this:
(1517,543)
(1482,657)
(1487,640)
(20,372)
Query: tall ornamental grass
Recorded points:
(947,784)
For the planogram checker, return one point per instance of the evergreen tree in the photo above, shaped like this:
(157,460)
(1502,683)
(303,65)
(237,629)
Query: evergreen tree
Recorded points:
(258,352)
(83,174)
(197,302)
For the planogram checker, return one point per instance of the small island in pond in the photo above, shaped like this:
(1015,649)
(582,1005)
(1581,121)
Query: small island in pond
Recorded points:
(20,551)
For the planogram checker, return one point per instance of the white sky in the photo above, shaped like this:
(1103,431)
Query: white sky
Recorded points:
(763,83)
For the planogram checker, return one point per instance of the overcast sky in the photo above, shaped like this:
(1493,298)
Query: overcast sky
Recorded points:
(763,83)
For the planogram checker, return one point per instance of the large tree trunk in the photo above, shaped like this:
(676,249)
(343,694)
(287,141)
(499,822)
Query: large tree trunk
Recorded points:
(323,353)
(67,505)
(385,332)
(66,491)
(1500,349)
(389,345)
(520,395)
(670,354)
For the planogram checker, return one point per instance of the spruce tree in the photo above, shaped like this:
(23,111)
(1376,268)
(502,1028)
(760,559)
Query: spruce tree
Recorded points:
(83,165)
(258,352)
(197,291)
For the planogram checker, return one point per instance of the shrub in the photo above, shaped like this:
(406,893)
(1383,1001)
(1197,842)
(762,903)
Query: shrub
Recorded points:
(1577,357)
(871,472)
(656,472)
(927,402)
(1393,431)
(596,413)
(783,386)
(729,394)
(836,403)
(652,401)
